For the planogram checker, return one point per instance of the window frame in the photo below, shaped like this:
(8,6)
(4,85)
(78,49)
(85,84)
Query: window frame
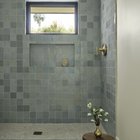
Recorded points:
(51,4)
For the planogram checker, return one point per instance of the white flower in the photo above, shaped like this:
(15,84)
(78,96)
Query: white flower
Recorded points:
(89,105)
(89,114)
(106,120)
(106,113)
(101,110)
(99,115)
(92,120)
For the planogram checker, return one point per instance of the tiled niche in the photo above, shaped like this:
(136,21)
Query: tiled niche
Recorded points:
(47,56)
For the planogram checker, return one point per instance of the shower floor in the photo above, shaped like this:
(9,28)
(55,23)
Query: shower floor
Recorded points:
(23,131)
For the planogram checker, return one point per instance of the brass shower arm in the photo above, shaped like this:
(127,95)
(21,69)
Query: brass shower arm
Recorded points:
(102,49)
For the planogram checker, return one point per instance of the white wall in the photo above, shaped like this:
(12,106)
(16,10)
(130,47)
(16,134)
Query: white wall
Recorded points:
(128,56)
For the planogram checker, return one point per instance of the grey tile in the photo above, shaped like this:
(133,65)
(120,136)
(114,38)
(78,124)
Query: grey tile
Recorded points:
(90,63)
(13,24)
(20,108)
(19,57)
(45,115)
(6,95)
(83,18)
(19,5)
(65,82)
(33,115)
(19,102)
(19,69)
(19,37)
(1,63)
(83,1)
(13,43)
(1,82)
(19,63)
(26,69)
(1,24)
(19,42)
(90,25)
(96,18)
(26,95)
(6,76)
(26,115)
(13,69)
(84,31)
(4,37)
(20,89)
(19,50)
(6,89)
(20,82)
(13,95)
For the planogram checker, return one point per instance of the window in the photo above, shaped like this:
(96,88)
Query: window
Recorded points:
(52,17)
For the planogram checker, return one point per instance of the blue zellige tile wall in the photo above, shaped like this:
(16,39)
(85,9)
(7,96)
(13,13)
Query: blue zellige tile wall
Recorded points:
(50,93)
(108,63)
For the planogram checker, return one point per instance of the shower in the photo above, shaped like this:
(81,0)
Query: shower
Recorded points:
(47,79)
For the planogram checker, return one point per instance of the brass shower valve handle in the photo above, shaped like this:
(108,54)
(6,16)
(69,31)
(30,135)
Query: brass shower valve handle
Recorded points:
(65,62)
(102,50)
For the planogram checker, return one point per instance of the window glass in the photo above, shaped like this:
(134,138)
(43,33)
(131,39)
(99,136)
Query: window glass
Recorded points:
(52,18)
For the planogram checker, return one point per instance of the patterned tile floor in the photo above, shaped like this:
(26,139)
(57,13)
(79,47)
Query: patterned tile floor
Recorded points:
(64,131)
